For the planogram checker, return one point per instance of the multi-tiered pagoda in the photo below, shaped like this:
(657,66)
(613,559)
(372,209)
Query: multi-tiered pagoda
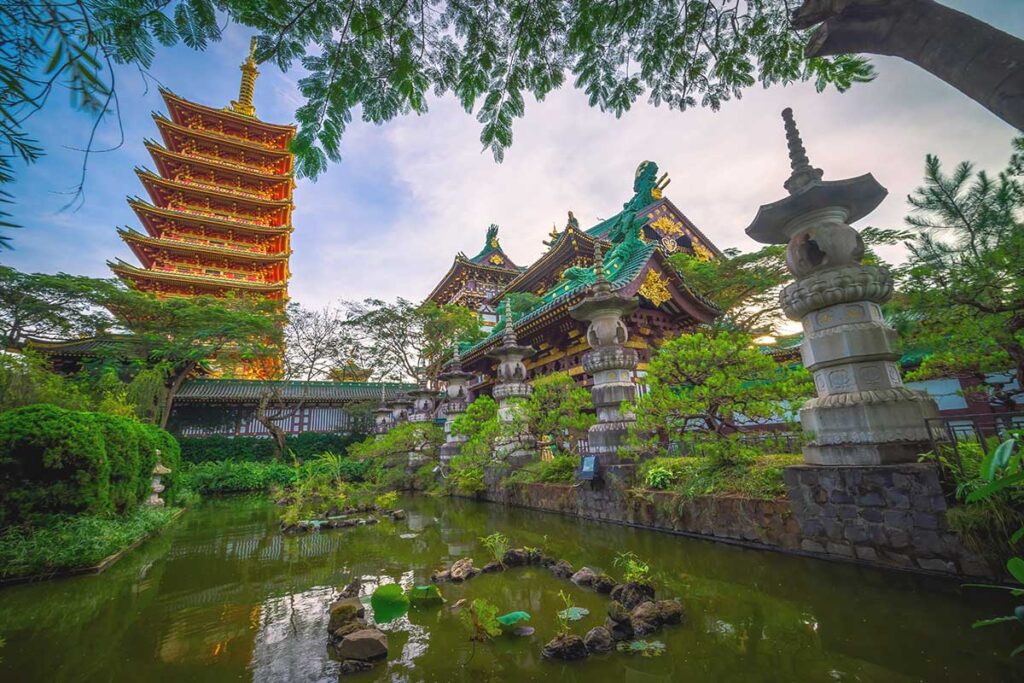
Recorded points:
(218,215)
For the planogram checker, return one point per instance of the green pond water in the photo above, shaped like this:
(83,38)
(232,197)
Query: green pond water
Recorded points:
(223,596)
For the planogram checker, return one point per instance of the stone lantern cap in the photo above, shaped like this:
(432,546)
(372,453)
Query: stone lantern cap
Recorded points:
(601,298)
(160,470)
(510,346)
(808,192)
(455,371)
(399,401)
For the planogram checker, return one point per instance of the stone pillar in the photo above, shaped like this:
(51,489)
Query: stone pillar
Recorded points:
(510,390)
(382,416)
(863,415)
(400,407)
(609,362)
(456,400)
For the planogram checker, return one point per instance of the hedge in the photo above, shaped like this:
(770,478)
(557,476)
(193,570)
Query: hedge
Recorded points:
(57,461)
(229,476)
(197,449)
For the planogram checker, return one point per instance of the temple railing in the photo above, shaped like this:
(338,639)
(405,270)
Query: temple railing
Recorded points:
(985,430)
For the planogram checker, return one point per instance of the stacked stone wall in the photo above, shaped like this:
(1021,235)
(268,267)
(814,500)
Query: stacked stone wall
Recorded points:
(887,516)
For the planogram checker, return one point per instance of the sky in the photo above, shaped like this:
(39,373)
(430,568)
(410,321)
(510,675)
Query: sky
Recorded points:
(408,195)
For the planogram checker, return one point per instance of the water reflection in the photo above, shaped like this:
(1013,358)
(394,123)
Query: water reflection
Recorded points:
(224,596)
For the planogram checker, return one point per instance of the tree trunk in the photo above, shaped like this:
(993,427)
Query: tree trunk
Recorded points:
(977,59)
(172,391)
(276,433)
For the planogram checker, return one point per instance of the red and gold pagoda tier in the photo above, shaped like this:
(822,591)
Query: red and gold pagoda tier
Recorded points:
(217,217)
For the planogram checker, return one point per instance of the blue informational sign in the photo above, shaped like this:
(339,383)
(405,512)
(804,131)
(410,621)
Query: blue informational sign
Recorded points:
(588,467)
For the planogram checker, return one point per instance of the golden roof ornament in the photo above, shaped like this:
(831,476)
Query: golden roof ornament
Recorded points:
(243,105)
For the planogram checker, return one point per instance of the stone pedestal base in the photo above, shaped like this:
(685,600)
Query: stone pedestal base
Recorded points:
(868,427)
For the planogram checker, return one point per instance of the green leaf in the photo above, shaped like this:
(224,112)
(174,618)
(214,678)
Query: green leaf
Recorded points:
(389,602)
(1016,568)
(573,613)
(992,622)
(1017,535)
(997,485)
(512,618)
(424,596)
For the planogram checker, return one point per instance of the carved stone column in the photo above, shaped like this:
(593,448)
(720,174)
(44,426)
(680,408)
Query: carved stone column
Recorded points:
(863,415)
(609,362)
(382,417)
(510,390)
(456,400)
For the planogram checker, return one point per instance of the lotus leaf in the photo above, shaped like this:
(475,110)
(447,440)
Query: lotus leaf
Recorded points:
(389,602)
(424,596)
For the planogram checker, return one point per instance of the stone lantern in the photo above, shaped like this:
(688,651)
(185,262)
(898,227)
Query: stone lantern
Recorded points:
(400,406)
(423,402)
(156,487)
(510,389)
(382,416)
(455,401)
(863,415)
(608,361)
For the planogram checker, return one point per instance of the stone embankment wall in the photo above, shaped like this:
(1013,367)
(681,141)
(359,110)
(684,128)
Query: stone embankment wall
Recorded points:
(891,516)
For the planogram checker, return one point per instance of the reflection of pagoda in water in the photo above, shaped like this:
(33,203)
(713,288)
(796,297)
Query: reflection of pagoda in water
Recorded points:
(218,218)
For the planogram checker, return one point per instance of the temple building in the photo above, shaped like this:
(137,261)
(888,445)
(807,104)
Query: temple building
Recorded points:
(636,243)
(474,282)
(217,217)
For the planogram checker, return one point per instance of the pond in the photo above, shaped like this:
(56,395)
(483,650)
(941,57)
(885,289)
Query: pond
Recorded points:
(223,596)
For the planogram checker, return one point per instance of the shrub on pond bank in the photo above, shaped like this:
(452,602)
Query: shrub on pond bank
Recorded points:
(67,542)
(560,469)
(755,477)
(58,461)
(229,476)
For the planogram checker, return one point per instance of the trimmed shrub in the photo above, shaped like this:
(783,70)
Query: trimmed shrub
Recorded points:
(261,449)
(121,442)
(51,460)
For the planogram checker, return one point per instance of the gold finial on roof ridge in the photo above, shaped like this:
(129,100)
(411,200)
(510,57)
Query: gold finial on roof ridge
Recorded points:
(243,105)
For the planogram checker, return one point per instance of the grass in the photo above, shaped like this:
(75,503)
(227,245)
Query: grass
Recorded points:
(759,477)
(63,543)
(559,470)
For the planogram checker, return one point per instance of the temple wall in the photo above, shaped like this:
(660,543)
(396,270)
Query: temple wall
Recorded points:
(891,517)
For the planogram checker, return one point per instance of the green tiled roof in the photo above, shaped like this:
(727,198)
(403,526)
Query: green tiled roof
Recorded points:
(619,275)
(247,390)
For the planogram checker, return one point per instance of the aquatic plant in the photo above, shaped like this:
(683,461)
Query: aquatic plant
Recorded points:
(644,648)
(573,613)
(634,570)
(386,501)
(389,602)
(481,620)
(496,544)
(565,615)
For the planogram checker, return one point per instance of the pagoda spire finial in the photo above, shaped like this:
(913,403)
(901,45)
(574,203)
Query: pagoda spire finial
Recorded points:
(243,105)
(803,173)
(600,283)
(509,337)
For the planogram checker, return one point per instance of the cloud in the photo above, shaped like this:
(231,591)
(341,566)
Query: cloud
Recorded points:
(409,194)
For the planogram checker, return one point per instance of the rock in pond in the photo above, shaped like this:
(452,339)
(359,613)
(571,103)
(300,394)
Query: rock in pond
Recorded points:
(670,611)
(632,594)
(492,567)
(440,576)
(343,611)
(463,569)
(397,514)
(618,622)
(568,647)
(367,645)
(515,557)
(603,583)
(584,577)
(350,627)
(562,569)
(351,590)
(645,619)
(598,639)
(354,666)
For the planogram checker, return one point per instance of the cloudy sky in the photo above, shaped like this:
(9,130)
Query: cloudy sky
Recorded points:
(408,195)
